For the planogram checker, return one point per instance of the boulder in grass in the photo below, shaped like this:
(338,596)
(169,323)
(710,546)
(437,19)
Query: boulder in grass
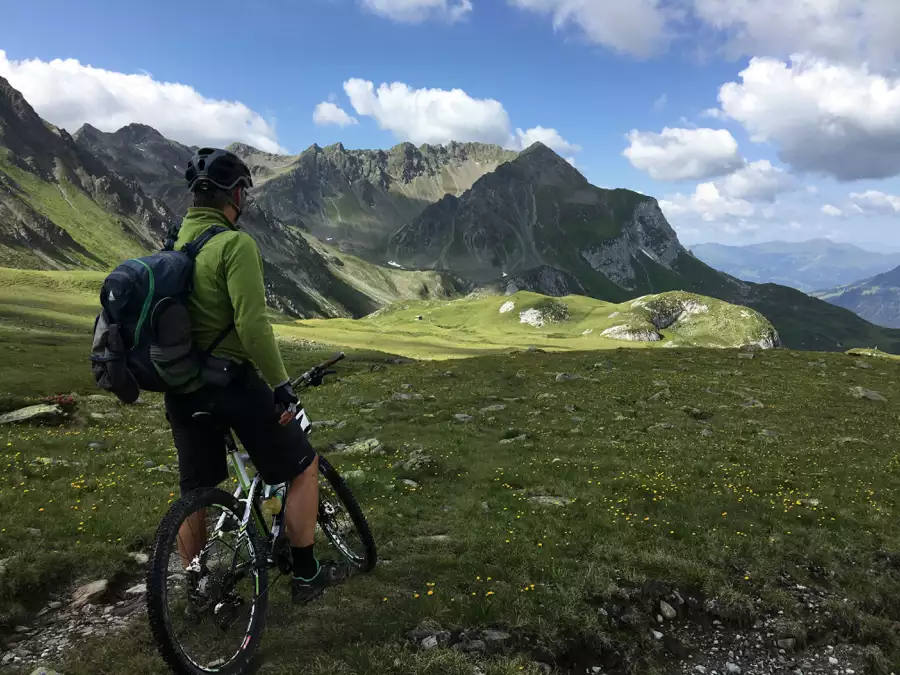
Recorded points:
(46,413)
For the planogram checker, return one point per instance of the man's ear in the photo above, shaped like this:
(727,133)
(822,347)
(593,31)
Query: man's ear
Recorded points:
(237,197)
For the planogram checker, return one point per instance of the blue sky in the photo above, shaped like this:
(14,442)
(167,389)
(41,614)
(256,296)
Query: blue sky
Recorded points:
(592,71)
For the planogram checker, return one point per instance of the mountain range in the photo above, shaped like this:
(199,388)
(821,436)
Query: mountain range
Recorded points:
(807,265)
(344,232)
(876,299)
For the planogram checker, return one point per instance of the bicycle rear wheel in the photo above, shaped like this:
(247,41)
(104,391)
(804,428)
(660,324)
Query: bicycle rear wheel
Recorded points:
(206,586)
(342,521)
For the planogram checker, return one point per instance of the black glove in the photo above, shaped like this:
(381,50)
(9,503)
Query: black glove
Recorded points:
(317,376)
(285,396)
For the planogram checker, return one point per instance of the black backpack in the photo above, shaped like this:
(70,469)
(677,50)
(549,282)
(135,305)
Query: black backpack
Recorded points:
(142,336)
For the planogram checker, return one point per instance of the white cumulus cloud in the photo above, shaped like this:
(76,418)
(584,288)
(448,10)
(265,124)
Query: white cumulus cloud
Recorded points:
(875,202)
(832,210)
(845,30)
(438,116)
(549,137)
(853,31)
(708,203)
(758,181)
(327,113)
(636,27)
(69,94)
(416,11)
(429,115)
(684,154)
(827,118)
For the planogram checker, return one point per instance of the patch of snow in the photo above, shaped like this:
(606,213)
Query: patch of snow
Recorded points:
(532,317)
(394,264)
(614,315)
(507,307)
(650,255)
(505,275)
(588,331)
(329,238)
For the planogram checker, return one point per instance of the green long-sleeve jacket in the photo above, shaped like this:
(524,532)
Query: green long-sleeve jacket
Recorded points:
(228,286)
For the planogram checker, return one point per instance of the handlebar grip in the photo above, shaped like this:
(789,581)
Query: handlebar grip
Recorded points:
(331,362)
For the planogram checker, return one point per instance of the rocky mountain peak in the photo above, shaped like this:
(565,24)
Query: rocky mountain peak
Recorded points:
(12,103)
(242,150)
(139,133)
(544,167)
(88,132)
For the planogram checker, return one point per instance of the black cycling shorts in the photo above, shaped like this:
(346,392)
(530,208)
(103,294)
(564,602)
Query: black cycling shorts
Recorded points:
(279,453)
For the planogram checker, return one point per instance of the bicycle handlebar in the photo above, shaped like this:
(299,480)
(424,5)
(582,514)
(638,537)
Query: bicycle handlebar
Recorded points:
(320,369)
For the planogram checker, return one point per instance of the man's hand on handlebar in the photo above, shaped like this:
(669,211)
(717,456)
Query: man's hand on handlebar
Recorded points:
(317,376)
(285,396)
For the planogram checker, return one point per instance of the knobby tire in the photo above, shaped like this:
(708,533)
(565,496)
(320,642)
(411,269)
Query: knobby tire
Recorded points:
(157,578)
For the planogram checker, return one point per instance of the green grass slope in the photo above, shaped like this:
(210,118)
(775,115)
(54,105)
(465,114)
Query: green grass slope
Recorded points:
(100,237)
(383,285)
(759,491)
(477,324)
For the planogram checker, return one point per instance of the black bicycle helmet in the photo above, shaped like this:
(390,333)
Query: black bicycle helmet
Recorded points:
(215,167)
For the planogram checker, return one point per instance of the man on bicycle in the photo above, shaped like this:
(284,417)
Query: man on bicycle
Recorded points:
(245,381)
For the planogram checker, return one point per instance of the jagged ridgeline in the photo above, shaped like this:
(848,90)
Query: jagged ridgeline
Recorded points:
(346,232)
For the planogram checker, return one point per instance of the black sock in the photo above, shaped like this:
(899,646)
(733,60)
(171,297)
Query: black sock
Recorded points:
(306,567)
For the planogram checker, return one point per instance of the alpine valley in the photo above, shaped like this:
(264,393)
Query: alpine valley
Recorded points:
(345,232)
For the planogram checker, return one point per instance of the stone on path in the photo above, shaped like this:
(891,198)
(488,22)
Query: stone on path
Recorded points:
(51,414)
(140,558)
(862,392)
(566,377)
(548,500)
(138,590)
(667,610)
(402,396)
(463,417)
(89,592)
(517,439)
(43,670)
(497,407)
(494,636)
(369,446)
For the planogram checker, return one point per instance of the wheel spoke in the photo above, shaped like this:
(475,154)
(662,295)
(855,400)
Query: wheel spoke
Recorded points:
(211,599)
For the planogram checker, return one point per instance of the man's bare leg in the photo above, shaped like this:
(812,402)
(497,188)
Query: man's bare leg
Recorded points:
(192,536)
(302,508)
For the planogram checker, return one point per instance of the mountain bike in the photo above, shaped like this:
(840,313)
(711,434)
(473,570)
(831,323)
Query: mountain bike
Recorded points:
(201,620)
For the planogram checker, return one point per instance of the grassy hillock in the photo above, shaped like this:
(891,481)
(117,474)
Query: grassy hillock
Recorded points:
(476,324)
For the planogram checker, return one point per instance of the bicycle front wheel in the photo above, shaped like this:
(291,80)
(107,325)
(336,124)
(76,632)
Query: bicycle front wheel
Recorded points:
(206,586)
(342,521)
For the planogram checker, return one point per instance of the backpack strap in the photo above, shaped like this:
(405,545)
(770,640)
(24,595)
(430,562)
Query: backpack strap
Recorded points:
(193,248)
(215,343)
(171,237)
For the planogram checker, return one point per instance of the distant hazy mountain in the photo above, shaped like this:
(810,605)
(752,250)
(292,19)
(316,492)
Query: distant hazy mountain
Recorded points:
(876,299)
(806,265)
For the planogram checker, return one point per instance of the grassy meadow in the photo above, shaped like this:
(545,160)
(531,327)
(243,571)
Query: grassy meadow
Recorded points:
(567,493)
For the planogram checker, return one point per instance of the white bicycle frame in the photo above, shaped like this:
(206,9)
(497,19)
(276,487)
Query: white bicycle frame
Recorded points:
(248,486)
